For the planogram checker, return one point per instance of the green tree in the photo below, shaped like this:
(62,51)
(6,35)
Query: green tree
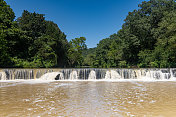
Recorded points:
(33,25)
(46,44)
(75,52)
(89,56)
(147,38)
(7,33)
(166,46)
(101,53)
(60,43)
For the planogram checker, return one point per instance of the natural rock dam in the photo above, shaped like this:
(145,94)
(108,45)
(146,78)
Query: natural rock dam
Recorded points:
(88,74)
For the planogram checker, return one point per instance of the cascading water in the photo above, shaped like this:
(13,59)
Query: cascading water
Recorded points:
(108,75)
(52,76)
(115,75)
(92,75)
(2,76)
(88,74)
(112,74)
(73,75)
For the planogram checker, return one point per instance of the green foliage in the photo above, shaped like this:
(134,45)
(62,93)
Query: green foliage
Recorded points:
(75,52)
(147,38)
(154,64)
(89,56)
(31,41)
(7,31)
(101,54)
(145,58)
(122,64)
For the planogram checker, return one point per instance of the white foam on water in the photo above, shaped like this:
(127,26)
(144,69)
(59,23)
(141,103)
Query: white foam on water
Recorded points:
(2,76)
(63,84)
(112,74)
(115,75)
(117,80)
(51,76)
(108,75)
(8,85)
(92,75)
(32,81)
(73,75)
(152,102)
(37,81)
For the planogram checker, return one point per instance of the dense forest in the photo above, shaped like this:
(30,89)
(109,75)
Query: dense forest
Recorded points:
(31,41)
(147,39)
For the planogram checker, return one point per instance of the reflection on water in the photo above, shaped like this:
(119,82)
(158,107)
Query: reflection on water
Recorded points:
(88,99)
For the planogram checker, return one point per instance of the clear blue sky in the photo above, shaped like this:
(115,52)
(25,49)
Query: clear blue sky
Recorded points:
(93,19)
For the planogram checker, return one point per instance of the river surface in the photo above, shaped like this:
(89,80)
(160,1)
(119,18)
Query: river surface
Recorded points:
(87,99)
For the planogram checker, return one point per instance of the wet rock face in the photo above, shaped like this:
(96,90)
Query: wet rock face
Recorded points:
(57,77)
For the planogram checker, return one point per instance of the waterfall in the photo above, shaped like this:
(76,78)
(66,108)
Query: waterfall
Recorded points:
(92,75)
(52,76)
(112,74)
(115,75)
(159,74)
(73,75)
(2,76)
(88,74)
(108,75)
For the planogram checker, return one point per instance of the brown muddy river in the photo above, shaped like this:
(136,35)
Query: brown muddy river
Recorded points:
(87,99)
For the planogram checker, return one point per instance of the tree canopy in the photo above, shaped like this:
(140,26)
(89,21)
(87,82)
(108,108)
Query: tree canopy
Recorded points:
(30,41)
(147,39)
